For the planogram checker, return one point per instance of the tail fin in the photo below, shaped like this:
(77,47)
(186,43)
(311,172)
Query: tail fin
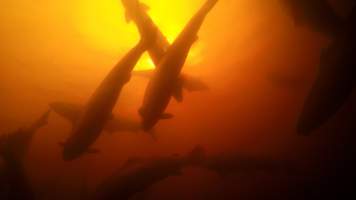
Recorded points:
(196,156)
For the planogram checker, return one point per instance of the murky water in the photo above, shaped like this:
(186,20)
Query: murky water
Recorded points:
(44,58)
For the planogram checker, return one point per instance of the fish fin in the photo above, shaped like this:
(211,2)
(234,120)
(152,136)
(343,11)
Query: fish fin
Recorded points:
(43,120)
(128,17)
(197,155)
(145,7)
(166,116)
(178,93)
(193,84)
(93,151)
(69,111)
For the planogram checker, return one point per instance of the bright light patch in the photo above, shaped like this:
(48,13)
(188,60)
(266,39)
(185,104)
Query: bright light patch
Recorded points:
(103,25)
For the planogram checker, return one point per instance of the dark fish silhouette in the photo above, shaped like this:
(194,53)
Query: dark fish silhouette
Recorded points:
(315,14)
(162,86)
(158,50)
(227,165)
(139,174)
(335,82)
(13,181)
(99,108)
(72,112)
(13,148)
(16,144)
(136,10)
(185,81)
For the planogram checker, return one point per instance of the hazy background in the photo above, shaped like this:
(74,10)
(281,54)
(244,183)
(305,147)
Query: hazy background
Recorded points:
(61,50)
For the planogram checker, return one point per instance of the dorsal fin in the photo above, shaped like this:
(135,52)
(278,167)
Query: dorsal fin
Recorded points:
(192,84)
(178,93)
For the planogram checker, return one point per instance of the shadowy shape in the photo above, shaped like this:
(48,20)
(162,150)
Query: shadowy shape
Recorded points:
(228,165)
(139,174)
(71,112)
(317,15)
(135,9)
(335,82)
(163,84)
(15,185)
(99,107)
(13,149)
(16,144)
(187,82)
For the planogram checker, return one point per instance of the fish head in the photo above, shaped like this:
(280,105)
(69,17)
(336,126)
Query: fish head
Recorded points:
(133,8)
(129,4)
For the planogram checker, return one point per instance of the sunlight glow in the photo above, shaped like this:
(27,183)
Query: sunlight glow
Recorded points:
(103,25)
